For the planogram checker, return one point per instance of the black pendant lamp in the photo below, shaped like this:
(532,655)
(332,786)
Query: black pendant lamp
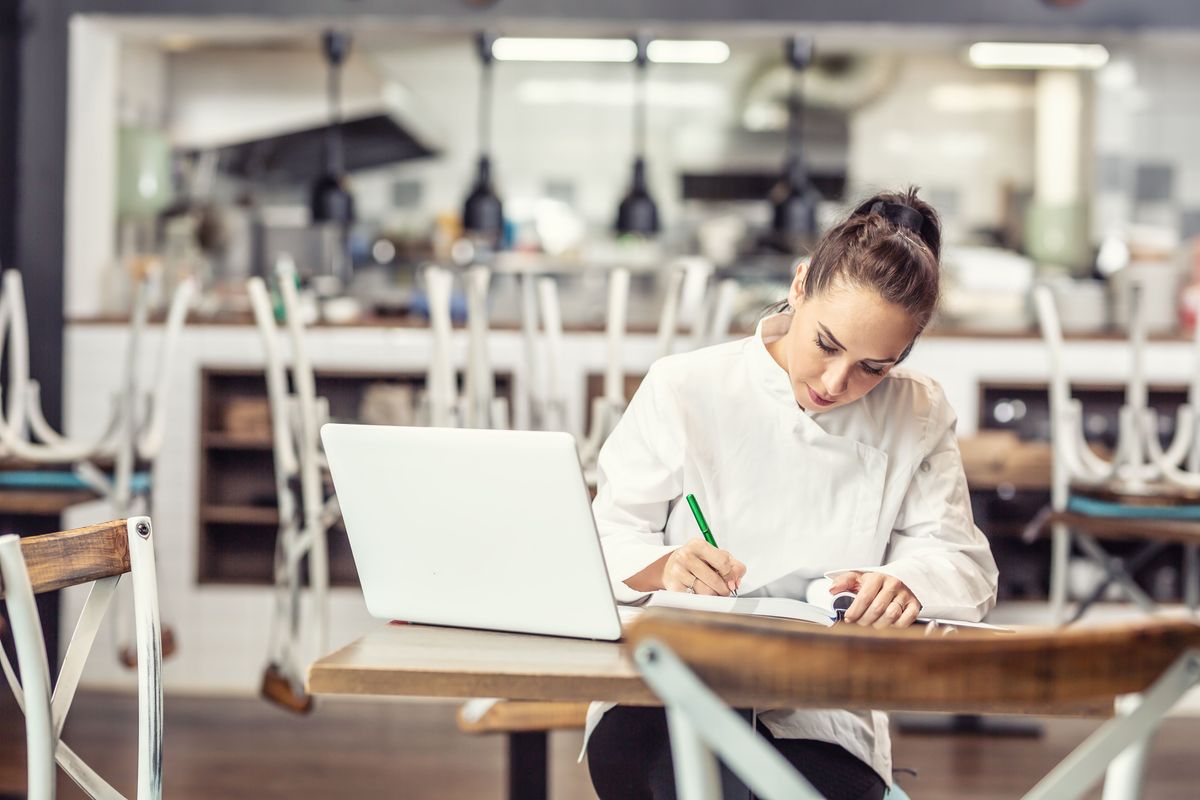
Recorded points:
(331,199)
(637,214)
(483,213)
(794,198)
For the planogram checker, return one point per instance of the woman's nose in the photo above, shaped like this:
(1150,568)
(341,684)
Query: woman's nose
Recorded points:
(836,379)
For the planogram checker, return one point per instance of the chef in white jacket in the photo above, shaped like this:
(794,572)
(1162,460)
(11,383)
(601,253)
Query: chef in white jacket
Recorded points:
(813,455)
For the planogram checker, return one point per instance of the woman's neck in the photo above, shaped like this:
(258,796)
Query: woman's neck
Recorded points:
(779,352)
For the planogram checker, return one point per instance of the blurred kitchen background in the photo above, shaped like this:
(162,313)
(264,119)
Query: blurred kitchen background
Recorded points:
(1055,140)
(190,138)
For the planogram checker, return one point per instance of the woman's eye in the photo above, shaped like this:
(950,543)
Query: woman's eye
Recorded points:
(824,347)
(871,370)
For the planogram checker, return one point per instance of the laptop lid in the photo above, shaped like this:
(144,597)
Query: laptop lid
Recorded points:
(472,528)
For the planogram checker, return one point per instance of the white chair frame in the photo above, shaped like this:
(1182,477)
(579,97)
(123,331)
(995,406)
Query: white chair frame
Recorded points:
(610,405)
(703,727)
(45,707)
(545,394)
(683,302)
(480,406)
(1139,463)
(137,420)
(305,515)
(441,405)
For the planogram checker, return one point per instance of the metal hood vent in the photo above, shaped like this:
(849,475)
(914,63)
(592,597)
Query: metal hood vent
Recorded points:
(296,157)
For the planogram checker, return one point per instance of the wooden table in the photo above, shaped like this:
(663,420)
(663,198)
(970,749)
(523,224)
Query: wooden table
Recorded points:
(769,663)
(755,661)
(403,660)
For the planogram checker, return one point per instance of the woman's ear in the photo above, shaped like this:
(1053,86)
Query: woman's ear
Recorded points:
(796,290)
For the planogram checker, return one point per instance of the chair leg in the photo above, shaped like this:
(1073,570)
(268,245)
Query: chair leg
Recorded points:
(1123,780)
(1060,554)
(148,636)
(1076,773)
(33,694)
(1119,571)
(697,776)
(709,726)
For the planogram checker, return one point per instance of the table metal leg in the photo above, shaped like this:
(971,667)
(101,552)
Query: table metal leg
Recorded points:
(528,765)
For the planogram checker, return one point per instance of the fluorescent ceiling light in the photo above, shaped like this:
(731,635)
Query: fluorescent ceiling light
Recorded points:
(662,51)
(687,51)
(509,48)
(1035,55)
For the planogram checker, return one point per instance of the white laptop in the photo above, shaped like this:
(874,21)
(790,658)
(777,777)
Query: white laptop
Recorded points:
(472,528)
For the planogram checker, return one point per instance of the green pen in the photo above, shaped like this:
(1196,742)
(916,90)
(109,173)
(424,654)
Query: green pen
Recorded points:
(703,524)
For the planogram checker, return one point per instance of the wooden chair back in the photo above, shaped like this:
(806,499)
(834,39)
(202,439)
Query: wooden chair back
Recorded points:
(81,555)
(780,663)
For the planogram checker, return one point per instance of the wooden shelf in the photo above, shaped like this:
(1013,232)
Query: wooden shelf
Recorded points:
(250,515)
(219,440)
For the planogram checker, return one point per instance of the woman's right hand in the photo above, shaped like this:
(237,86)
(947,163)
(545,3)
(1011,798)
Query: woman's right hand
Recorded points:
(703,568)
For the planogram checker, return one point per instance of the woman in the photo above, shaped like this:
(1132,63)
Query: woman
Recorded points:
(812,454)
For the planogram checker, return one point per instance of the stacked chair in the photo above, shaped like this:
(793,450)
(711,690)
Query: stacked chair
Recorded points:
(118,464)
(541,311)
(610,405)
(1145,492)
(441,404)
(306,510)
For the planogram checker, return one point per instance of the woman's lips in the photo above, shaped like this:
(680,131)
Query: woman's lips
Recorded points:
(817,399)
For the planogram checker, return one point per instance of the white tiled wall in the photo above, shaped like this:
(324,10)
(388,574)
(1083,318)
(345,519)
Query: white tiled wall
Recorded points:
(952,129)
(1145,112)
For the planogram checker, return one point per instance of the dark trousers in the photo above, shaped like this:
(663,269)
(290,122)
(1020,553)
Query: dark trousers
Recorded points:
(629,758)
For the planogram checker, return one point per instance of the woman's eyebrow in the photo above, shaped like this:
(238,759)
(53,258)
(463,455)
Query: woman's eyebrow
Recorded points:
(833,339)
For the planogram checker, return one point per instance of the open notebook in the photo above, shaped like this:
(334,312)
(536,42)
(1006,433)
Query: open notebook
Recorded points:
(783,607)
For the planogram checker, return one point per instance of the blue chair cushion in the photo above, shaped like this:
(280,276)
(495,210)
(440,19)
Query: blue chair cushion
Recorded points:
(49,479)
(1107,508)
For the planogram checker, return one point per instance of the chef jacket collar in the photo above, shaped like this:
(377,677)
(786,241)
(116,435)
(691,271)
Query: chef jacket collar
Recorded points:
(766,370)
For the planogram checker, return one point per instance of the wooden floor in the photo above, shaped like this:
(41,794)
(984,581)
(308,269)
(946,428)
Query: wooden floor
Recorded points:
(231,748)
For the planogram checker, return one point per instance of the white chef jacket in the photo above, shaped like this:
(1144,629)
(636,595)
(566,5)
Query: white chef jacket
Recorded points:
(877,484)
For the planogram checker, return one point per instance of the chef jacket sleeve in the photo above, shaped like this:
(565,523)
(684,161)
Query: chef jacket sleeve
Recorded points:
(639,476)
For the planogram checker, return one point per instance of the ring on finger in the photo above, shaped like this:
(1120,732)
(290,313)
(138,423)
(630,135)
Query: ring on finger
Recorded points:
(691,589)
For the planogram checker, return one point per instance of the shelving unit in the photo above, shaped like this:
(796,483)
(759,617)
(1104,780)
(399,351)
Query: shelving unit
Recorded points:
(238,512)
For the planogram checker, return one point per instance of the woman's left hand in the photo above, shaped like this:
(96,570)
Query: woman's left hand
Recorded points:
(882,602)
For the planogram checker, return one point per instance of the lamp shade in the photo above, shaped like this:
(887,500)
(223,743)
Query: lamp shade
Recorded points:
(331,201)
(637,213)
(794,204)
(483,213)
